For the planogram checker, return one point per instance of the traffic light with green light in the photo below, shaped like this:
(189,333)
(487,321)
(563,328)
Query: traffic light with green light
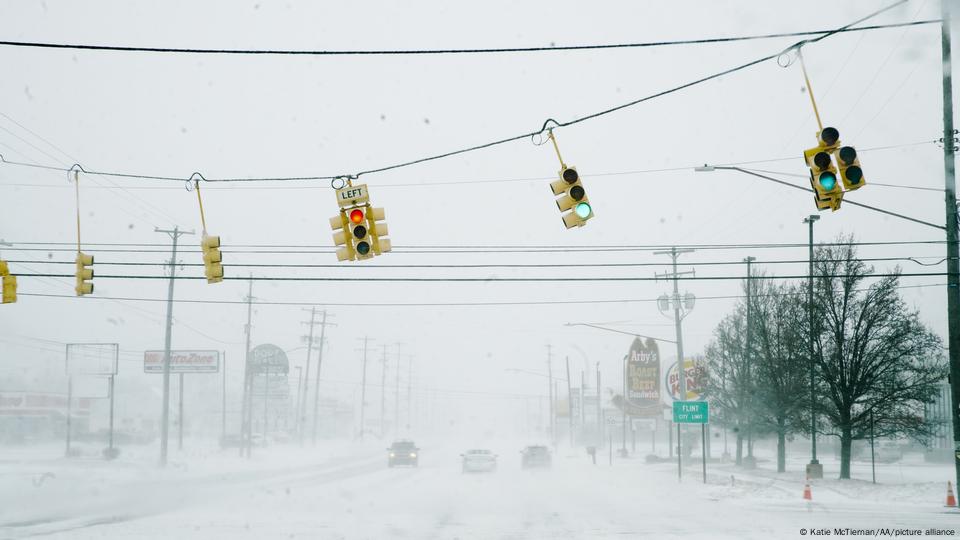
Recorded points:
(572,201)
(84,274)
(212,258)
(823,174)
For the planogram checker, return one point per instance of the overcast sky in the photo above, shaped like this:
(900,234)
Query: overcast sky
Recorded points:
(255,116)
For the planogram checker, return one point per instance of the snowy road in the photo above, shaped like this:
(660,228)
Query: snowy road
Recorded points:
(360,498)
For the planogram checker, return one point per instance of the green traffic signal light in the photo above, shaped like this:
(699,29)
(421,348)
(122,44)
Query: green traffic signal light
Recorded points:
(828,181)
(583,210)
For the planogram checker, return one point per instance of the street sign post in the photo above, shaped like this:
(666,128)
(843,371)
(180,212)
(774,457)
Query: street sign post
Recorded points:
(695,412)
(691,412)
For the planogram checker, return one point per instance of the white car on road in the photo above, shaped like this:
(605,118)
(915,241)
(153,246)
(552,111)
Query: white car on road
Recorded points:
(479,460)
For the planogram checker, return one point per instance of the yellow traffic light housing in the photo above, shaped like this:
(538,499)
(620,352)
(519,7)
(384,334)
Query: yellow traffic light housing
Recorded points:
(572,201)
(378,230)
(850,172)
(212,258)
(9,284)
(823,174)
(84,274)
(341,237)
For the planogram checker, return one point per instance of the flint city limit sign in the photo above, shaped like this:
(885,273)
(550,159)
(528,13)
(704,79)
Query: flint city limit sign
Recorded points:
(691,412)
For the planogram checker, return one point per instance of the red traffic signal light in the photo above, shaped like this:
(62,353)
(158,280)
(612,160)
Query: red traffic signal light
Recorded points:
(356,215)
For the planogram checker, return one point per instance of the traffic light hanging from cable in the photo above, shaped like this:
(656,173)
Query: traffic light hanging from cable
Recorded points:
(850,171)
(84,274)
(359,230)
(572,201)
(823,174)
(9,284)
(212,258)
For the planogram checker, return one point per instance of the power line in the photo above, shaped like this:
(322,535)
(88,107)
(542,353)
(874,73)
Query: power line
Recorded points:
(467,182)
(420,304)
(485,279)
(406,52)
(481,248)
(101,263)
(546,125)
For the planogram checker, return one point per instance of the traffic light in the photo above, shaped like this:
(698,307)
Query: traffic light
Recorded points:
(378,230)
(212,258)
(84,274)
(360,232)
(342,236)
(573,201)
(9,284)
(850,171)
(823,175)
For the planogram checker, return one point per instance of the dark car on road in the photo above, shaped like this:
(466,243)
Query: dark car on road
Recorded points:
(403,453)
(533,457)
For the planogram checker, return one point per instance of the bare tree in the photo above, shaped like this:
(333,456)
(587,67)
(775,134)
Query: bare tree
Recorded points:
(780,361)
(728,382)
(874,355)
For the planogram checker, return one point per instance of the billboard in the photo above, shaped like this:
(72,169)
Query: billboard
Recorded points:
(268,358)
(94,359)
(643,378)
(182,361)
(40,404)
(696,379)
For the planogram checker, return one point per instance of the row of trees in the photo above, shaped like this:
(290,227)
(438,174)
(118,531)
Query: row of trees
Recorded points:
(874,361)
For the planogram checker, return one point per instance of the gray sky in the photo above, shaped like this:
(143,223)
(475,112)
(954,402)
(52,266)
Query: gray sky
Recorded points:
(294,116)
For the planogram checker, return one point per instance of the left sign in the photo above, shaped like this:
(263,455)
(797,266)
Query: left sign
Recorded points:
(182,361)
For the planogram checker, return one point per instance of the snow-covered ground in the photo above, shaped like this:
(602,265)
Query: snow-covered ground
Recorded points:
(340,490)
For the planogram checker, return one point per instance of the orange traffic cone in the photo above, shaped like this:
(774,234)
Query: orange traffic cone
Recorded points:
(807,495)
(951,500)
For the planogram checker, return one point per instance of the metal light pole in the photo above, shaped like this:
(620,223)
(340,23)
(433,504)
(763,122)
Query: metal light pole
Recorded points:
(814,468)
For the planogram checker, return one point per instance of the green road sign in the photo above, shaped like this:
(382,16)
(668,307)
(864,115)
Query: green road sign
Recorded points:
(691,412)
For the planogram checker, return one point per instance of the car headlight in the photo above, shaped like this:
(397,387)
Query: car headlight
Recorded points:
(412,454)
(392,454)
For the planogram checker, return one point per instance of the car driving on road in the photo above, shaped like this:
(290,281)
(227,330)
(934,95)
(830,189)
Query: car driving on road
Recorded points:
(403,452)
(479,460)
(535,456)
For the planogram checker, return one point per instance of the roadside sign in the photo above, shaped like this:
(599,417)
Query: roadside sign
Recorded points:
(353,195)
(182,361)
(691,412)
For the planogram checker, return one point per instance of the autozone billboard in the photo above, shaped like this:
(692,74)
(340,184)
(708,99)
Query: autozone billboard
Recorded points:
(182,361)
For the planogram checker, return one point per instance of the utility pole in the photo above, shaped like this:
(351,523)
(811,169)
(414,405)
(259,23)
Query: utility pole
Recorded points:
(553,417)
(396,397)
(246,416)
(223,398)
(953,253)
(410,391)
(316,386)
(175,235)
(363,388)
(301,398)
(750,462)
(383,391)
(814,468)
(681,371)
(569,401)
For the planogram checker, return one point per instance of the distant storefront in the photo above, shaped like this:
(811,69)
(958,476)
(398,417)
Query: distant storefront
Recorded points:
(30,416)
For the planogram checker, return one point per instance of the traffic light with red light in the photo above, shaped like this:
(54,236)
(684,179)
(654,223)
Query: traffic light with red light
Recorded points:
(572,201)
(359,229)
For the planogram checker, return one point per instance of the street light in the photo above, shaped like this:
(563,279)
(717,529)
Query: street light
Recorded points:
(814,468)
